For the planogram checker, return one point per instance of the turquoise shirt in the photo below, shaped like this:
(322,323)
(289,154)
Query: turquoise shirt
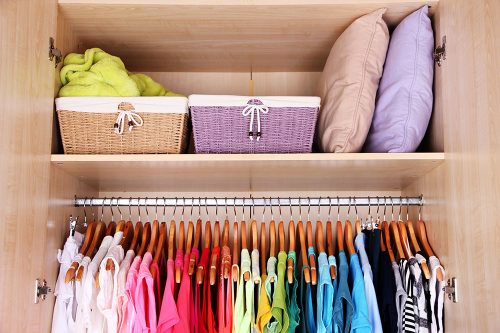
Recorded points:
(291,296)
(324,308)
(360,322)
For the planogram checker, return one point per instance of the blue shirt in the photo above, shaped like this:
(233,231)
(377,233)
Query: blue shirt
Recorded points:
(360,322)
(371,296)
(310,318)
(324,308)
(343,301)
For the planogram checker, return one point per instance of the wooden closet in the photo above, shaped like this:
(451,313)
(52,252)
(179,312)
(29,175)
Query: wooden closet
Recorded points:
(207,46)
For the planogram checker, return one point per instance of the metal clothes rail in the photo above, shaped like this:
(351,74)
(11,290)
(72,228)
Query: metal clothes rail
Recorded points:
(251,201)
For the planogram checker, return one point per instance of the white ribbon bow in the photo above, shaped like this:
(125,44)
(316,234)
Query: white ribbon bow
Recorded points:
(126,110)
(251,109)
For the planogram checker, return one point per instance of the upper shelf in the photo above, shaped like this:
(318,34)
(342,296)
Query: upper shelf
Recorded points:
(244,173)
(221,36)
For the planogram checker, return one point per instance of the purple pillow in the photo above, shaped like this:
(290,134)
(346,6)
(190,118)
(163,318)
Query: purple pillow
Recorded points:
(404,98)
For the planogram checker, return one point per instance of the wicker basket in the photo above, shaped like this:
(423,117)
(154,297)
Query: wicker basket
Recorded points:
(240,124)
(123,125)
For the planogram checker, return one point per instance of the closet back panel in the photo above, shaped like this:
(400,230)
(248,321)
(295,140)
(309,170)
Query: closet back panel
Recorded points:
(462,195)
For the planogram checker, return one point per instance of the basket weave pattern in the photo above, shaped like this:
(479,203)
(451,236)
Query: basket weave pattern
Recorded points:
(93,133)
(223,129)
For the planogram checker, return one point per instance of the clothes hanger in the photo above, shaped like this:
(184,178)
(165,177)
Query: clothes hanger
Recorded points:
(263,249)
(235,270)
(111,228)
(291,244)
(214,260)
(358,225)
(281,236)
(99,234)
(180,246)
(200,274)
(120,226)
(422,235)
(160,248)
(383,246)
(134,245)
(155,232)
(89,233)
(319,237)
(348,232)
(255,239)
(225,243)
(196,245)
(272,242)
(312,259)
(414,243)
(246,275)
(303,252)
(146,234)
(403,235)
(329,238)
(340,233)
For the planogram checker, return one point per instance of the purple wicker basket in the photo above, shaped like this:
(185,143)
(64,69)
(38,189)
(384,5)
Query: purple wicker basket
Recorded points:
(240,124)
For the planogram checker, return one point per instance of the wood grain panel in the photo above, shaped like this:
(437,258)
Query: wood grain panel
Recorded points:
(465,190)
(209,36)
(26,92)
(256,172)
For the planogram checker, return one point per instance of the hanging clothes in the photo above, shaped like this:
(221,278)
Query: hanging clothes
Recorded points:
(371,296)
(183,301)
(195,253)
(409,323)
(278,308)
(388,311)
(421,316)
(257,286)
(264,312)
(225,309)
(244,298)
(310,299)
(79,293)
(212,296)
(145,305)
(291,296)
(360,321)
(325,296)
(129,316)
(400,294)
(343,308)
(302,327)
(122,299)
(266,321)
(436,289)
(200,292)
(168,314)
(64,292)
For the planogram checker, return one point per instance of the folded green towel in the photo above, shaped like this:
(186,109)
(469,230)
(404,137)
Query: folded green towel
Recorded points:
(97,73)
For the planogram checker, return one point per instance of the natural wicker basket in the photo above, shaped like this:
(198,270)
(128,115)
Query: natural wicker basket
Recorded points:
(94,132)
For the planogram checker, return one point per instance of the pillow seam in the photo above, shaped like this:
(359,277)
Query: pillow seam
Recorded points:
(410,100)
(358,102)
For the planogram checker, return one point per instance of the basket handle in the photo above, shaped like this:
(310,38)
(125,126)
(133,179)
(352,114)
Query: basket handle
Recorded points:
(126,110)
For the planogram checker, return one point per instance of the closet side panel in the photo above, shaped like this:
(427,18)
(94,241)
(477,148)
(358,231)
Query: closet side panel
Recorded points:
(463,194)
(26,92)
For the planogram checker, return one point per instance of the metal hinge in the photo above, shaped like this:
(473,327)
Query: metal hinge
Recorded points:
(41,290)
(451,289)
(54,52)
(440,52)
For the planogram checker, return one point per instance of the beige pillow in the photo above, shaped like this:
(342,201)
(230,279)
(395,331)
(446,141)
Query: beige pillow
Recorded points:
(349,83)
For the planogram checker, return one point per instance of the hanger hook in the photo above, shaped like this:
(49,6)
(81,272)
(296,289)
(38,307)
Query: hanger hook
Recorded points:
(420,208)
(225,204)
(118,207)
(183,208)
(400,208)
(252,208)
(146,206)
(130,209)
(206,206)
(192,207)
(407,208)
(329,208)
(264,209)
(139,208)
(216,210)
(338,208)
(309,208)
(164,208)
(91,206)
(385,206)
(369,207)
(199,208)
(378,205)
(291,211)
(156,208)
(300,209)
(319,208)
(234,208)
(349,209)
(175,209)
(102,209)
(84,213)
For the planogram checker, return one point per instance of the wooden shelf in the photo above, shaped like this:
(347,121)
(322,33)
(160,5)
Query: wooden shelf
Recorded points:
(221,36)
(259,172)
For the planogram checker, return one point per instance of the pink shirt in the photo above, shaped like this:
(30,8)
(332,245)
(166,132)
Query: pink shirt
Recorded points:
(168,313)
(225,303)
(184,299)
(122,301)
(212,294)
(130,287)
(194,313)
(200,293)
(144,301)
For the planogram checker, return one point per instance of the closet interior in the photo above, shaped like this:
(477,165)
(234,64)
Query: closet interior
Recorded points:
(252,47)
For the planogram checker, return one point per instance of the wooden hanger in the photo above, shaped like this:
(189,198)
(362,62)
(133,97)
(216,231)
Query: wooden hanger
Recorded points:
(319,237)
(120,226)
(215,256)
(189,238)
(200,274)
(137,235)
(146,239)
(312,259)
(255,241)
(236,253)
(272,241)
(197,237)
(422,233)
(416,247)
(111,228)
(348,238)
(160,248)
(358,226)
(340,236)
(180,246)
(281,236)
(404,240)
(291,247)
(303,252)
(128,234)
(225,243)
(155,235)
(99,234)
(331,248)
(89,233)
(246,275)
(397,240)
(263,249)
(387,239)
(171,240)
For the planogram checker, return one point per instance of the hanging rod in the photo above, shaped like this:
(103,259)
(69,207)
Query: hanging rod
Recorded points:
(276,201)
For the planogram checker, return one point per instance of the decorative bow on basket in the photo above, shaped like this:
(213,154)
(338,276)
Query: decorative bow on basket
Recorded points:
(254,106)
(126,110)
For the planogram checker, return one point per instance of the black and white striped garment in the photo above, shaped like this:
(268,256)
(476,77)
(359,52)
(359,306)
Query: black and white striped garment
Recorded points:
(409,321)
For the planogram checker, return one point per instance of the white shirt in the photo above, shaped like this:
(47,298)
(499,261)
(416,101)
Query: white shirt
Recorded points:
(79,323)
(108,293)
(64,315)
